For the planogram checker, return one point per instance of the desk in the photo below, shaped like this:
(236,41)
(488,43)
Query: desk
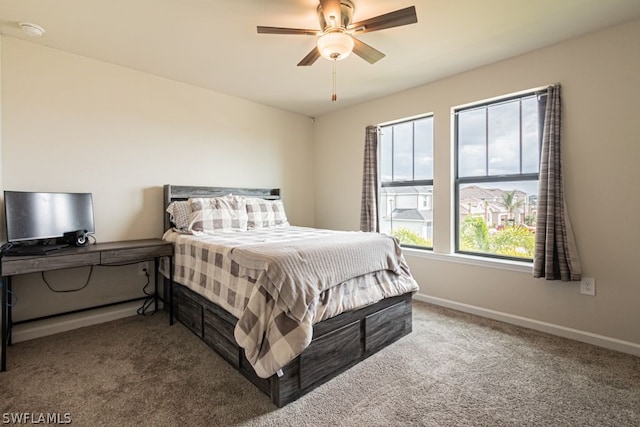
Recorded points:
(112,253)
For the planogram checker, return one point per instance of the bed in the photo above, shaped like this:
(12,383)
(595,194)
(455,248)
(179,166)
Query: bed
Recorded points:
(268,298)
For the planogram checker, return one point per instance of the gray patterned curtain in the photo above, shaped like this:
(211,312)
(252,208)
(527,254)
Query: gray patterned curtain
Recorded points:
(556,255)
(369,206)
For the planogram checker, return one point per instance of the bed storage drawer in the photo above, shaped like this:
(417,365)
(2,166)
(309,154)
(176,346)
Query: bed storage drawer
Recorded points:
(218,334)
(189,312)
(388,325)
(249,373)
(329,353)
(338,344)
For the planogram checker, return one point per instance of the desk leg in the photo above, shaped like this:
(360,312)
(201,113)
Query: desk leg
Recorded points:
(9,315)
(5,323)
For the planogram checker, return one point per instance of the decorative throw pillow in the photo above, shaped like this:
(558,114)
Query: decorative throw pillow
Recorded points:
(179,213)
(263,213)
(227,213)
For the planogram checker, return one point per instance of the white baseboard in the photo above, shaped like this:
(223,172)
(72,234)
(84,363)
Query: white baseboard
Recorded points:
(54,325)
(550,328)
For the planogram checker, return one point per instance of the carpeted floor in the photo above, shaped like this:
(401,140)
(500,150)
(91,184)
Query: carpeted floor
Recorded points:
(455,369)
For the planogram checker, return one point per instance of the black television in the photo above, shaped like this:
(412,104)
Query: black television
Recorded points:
(38,216)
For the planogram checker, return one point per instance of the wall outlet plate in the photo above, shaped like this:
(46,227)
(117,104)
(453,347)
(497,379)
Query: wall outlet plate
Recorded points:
(588,286)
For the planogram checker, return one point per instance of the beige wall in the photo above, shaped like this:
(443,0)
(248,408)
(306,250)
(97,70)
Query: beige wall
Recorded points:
(75,124)
(70,123)
(600,79)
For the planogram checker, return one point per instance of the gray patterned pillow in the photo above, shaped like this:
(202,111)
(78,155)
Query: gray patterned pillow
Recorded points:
(179,213)
(227,213)
(263,213)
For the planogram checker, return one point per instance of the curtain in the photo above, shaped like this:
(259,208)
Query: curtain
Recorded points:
(369,206)
(556,255)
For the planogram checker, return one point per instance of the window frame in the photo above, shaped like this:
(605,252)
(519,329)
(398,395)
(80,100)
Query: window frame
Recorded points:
(529,176)
(407,183)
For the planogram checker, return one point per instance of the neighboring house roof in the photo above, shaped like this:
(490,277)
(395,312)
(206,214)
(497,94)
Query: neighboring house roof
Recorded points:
(412,214)
(476,197)
(420,189)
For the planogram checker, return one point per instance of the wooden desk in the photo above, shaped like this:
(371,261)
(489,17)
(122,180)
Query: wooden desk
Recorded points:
(111,253)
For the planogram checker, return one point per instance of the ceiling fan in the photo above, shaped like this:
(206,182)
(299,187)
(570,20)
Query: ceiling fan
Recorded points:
(336,40)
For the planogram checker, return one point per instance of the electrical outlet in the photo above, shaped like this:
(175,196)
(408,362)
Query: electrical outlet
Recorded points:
(588,286)
(142,266)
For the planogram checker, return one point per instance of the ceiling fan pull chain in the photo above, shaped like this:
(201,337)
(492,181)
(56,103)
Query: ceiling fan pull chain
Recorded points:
(334,97)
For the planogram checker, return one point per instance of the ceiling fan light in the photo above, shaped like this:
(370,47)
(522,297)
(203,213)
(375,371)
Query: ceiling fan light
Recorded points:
(335,46)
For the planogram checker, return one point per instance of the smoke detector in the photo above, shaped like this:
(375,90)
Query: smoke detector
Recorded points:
(31,29)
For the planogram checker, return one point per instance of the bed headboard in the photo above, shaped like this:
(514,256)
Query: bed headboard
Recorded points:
(184,192)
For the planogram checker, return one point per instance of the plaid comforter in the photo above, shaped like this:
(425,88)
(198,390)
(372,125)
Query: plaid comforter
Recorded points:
(269,331)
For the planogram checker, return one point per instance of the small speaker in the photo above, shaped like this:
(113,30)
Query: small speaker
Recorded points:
(76,238)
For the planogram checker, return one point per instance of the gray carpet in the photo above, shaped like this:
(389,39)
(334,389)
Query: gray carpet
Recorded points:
(455,369)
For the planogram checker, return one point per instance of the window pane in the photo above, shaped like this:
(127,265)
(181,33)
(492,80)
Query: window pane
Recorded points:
(407,213)
(472,145)
(403,152)
(504,138)
(386,155)
(530,135)
(498,218)
(423,160)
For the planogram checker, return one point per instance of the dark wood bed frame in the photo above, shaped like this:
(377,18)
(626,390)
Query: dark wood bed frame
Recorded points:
(338,343)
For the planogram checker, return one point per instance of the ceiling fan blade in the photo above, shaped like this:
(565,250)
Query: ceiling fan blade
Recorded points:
(310,58)
(366,52)
(280,30)
(331,8)
(398,18)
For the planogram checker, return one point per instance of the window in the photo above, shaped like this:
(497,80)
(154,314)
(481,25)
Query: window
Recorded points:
(497,155)
(406,178)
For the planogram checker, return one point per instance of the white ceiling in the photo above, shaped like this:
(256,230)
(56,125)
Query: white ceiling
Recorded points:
(213,44)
